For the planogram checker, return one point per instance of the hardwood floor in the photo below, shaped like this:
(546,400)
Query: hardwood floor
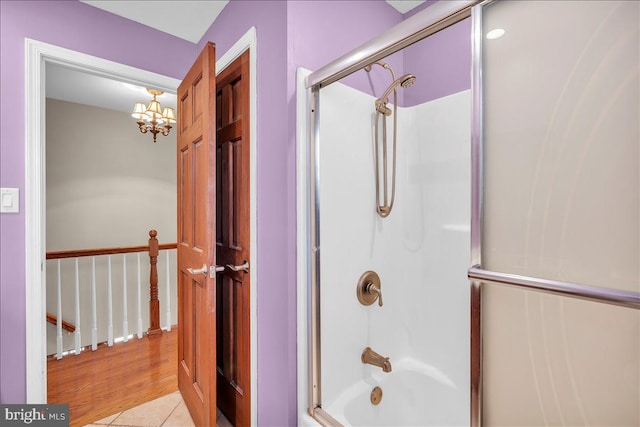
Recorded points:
(109,380)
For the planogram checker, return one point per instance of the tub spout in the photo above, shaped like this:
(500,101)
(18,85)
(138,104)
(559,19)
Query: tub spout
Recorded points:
(372,358)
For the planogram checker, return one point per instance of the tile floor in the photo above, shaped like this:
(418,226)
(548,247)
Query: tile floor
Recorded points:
(165,411)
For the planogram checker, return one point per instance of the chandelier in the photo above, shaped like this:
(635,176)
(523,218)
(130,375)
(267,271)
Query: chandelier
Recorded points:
(152,118)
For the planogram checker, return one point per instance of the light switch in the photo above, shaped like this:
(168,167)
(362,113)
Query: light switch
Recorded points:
(9,200)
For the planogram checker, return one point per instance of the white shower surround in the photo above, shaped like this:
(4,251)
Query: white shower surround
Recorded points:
(421,253)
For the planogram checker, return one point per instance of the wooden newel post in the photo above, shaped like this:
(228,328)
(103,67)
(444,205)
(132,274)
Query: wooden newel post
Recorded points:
(154,304)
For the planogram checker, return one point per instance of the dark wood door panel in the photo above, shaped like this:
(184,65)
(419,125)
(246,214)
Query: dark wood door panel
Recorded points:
(232,203)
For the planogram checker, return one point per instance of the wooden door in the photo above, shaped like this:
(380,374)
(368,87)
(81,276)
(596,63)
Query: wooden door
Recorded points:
(196,238)
(233,334)
(232,204)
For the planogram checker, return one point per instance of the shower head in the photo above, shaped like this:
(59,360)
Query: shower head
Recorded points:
(407,80)
(404,81)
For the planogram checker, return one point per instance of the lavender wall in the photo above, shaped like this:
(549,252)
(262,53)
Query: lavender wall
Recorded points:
(441,63)
(276,202)
(321,31)
(83,28)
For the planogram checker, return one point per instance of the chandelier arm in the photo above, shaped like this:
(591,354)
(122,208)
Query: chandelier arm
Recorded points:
(143,128)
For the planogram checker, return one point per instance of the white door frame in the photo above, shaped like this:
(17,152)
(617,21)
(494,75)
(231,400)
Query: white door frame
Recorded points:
(37,55)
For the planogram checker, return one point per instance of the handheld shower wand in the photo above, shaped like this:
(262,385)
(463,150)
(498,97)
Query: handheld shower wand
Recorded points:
(404,81)
(382,111)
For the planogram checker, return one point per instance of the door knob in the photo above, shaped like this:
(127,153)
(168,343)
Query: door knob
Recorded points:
(242,267)
(195,271)
(214,269)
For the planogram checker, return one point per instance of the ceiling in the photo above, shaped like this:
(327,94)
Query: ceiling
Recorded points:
(83,88)
(186,19)
(404,6)
(189,19)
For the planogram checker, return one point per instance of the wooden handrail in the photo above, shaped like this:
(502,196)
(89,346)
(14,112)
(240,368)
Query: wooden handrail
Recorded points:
(153,248)
(105,251)
(69,327)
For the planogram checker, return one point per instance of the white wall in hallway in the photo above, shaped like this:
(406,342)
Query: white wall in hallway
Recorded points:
(107,186)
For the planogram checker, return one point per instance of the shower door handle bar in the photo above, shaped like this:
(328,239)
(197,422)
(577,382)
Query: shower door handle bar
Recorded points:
(591,293)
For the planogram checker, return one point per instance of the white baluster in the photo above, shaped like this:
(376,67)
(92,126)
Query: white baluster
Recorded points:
(94,307)
(59,320)
(139,301)
(168,295)
(109,308)
(125,323)
(77,333)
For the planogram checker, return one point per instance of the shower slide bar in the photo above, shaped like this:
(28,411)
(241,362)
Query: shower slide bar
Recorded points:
(574,290)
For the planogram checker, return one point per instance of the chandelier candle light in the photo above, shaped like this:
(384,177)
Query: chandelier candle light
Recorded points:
(152,118)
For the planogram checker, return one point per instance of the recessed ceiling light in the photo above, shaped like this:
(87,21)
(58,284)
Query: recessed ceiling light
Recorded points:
(495,34)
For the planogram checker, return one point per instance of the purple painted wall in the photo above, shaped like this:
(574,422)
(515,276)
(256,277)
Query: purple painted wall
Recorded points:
(276,204)
(83,28)
(441,64)
(321,31)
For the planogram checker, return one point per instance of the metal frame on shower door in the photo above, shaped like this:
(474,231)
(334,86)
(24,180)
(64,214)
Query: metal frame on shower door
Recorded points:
(479,276)
(431,20)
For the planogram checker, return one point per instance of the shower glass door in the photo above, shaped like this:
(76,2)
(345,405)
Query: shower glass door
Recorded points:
(557,98)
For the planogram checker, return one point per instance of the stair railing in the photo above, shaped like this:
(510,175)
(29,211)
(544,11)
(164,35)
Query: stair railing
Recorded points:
(153,249)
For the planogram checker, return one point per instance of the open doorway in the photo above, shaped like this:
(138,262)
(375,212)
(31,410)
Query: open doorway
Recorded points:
(38,55)
(107,187)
